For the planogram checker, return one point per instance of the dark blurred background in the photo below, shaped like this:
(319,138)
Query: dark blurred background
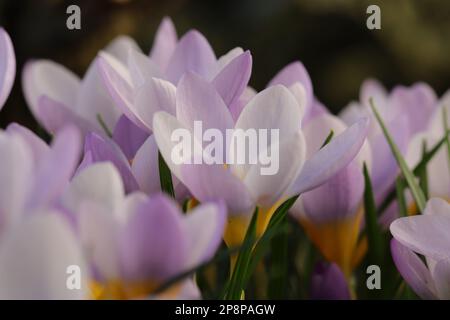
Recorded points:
(329,36)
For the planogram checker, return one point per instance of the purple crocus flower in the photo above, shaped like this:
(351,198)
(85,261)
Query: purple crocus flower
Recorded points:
(295,77)
(242,186)
(34,256)
(7,66)
(135,243)
(328,283)
(57,97)
(144,85)
(438,170)
(427,235)
(33,174)
(334,225)
(405,111)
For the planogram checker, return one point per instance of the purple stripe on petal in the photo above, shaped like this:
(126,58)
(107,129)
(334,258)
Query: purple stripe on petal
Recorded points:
(128,136)
(343,194)
(153,243)
(101,150)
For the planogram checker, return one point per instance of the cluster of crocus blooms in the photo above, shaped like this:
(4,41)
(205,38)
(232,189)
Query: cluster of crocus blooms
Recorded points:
(94,198)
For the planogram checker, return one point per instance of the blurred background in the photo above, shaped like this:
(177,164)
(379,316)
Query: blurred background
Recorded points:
(329,36)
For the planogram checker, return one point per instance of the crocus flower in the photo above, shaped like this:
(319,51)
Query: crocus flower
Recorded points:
(141,86)
(427,235)
(7,66)
(295,77)
(243,187)
(35,255)
(56,96)
(405,111)
(438,170)
(33,174)
(328,283)
(331,214)
(135,243)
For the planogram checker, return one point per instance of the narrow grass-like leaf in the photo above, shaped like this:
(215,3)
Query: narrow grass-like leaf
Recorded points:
(373,230)
(278,265)
(236,284)
(446,128)
(274,226)
(419,167)
(422,174)
(401,201)
(327,139)
(165,177)
(416,192)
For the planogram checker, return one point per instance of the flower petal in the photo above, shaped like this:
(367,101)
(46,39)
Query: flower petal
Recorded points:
(164,43)
(274,108)
(47,248)
(142,68)
(441,277)
(328,283)
(7,66)
(292,73)
(214,183)
(101,150)
(198,100)
(331,158)
(93,100)
(204,227)
(37,145)
(145,166)
(44,77)
(99,183)
(413,270)
(194,54)
(54,116)
(128,136)
(153,243)
(424,234)
(267,189)
(15,171)
(231,81)
(153,96)
(343,194)
(118,82)
(56,169)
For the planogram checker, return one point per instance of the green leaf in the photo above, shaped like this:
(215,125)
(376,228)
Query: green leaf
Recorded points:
(275,226)
(103,125)
(419,167)
(165,177)
(236,284)
(327,139)
(422,173)
(416,192)
(373,230)
(400,191)
(447,139)
(278,265)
